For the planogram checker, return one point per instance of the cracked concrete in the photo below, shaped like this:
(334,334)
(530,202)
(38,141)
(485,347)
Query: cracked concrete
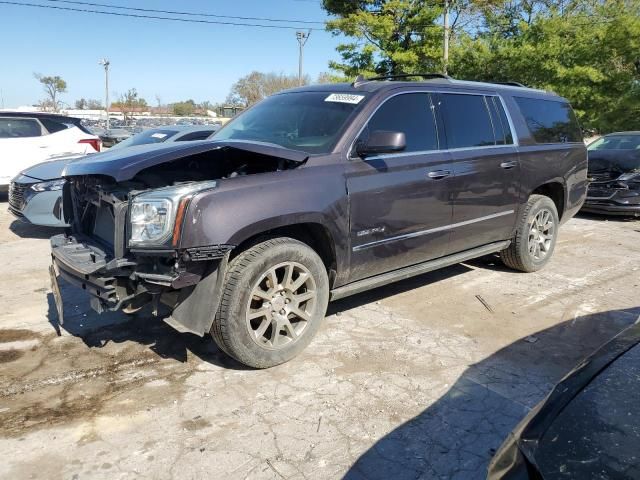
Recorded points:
(415,380)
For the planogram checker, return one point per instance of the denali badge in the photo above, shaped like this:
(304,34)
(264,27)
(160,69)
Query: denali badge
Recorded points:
(370,231)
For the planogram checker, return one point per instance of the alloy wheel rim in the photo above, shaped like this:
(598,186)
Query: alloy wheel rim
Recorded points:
(281,305)
(541,233)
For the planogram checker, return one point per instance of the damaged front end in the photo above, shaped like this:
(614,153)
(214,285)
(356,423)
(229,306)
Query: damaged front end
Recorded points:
(124,246)
(614,187)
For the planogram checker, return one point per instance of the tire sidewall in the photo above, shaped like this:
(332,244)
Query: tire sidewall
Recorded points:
(529,262)
(242,344)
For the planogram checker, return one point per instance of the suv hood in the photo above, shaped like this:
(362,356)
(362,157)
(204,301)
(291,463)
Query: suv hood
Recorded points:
(124,164)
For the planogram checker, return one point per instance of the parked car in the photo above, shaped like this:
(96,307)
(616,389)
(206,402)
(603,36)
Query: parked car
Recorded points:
(113,136)
(30,138)
(587,427)
(36,194)
(614,173)
(318,193)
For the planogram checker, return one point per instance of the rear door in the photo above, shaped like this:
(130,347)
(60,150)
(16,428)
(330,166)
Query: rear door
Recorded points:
(485,164)
(400,202)
(21,145)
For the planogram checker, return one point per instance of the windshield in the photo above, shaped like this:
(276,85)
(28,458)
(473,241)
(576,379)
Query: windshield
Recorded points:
(307,121)
(616,142)
(146,137)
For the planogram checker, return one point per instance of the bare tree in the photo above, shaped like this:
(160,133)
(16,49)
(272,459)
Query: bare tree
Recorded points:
(129,103)
(53,86)
(258,85)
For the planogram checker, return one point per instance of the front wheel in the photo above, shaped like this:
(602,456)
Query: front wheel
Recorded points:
(536,236)
(274,299)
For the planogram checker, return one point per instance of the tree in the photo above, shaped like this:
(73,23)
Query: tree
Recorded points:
(88,104)
(183,109)
(53,86)
(129,103)
(257,85)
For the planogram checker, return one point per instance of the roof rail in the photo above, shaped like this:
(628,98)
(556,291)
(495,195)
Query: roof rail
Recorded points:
(513,84)
(360,79)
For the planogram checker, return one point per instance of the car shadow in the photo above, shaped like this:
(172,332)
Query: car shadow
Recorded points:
(29,230)
(456,437)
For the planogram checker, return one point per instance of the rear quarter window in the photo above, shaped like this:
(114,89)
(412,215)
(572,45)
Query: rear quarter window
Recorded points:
(53,126)
(19,128)
(550,121)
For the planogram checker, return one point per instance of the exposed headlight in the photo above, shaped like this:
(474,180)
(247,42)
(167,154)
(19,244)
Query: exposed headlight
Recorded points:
(51,186)
(152,215)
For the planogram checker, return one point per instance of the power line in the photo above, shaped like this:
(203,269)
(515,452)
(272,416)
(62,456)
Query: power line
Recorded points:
(153,17)
(193,14)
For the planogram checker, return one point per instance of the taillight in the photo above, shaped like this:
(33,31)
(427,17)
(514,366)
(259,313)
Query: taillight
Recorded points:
(94,142)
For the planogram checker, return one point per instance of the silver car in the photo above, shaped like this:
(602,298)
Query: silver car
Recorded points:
(35,195)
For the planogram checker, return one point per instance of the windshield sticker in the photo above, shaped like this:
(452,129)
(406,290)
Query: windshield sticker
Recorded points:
(344,98)
(158,135)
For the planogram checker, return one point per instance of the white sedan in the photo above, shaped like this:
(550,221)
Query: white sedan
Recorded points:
(30,138)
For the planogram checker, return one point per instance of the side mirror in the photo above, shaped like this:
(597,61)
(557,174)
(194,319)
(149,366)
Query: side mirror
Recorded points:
(382,141)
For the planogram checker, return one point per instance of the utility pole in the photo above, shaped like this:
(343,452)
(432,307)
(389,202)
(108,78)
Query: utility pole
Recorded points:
(446,37)
(106,64)
(302,38)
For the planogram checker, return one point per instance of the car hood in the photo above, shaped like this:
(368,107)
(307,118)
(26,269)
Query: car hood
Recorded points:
(124,164)
(51,169)
(614,161)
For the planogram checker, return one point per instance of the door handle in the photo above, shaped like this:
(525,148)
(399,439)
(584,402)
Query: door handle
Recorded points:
(438,174)
(508,165)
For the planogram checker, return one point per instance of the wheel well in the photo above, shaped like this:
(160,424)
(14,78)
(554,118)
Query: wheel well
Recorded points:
(313,234)
(555,192)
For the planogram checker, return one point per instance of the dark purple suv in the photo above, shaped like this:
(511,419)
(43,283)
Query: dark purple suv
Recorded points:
(318,193)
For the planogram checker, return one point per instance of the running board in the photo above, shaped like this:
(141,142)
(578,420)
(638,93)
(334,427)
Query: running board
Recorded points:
(407,272)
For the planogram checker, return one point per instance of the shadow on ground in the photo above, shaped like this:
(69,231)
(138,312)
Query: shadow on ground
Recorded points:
(29,230)
(456,436)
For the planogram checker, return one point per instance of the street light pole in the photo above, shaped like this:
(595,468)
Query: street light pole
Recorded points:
(302,38)
(106,64)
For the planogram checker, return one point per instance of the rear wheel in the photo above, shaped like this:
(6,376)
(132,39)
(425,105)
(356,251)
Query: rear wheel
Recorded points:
(274,299)
(536,236)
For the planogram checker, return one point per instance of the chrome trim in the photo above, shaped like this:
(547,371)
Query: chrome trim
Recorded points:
(431,230)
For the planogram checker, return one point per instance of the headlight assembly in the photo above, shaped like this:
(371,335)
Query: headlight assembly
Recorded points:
(50,186)
(153,214)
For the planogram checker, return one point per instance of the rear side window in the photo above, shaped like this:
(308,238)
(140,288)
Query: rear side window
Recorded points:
(410,113)
(19,128)
(53,126)
(195,136)
(466,121)
(550,121)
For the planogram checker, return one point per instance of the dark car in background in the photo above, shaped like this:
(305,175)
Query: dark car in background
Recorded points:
(614,173)
(588,427)
(36,193)
(318,193)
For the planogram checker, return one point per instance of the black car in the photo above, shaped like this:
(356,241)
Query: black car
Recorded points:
(589,425)
(317,193)
(614,173)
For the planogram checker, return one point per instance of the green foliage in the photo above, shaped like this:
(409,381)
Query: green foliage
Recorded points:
(585,50)
(183,109)
(257,85)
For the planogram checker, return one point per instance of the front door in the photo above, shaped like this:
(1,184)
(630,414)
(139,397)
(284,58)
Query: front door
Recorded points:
(400,202)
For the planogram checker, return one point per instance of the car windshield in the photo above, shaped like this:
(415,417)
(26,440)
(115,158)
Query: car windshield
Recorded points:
(616,142)
(146,137)
(306,121)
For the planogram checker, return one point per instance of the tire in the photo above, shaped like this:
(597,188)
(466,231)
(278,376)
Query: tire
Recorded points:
(531,248)
(265,318)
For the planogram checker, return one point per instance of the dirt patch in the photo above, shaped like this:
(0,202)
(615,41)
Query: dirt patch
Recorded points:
(16,335)
(7,356)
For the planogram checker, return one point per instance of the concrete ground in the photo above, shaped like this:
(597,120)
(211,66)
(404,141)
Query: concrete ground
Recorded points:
(421,379)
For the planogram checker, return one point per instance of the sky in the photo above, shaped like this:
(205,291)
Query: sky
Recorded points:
(173,60)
